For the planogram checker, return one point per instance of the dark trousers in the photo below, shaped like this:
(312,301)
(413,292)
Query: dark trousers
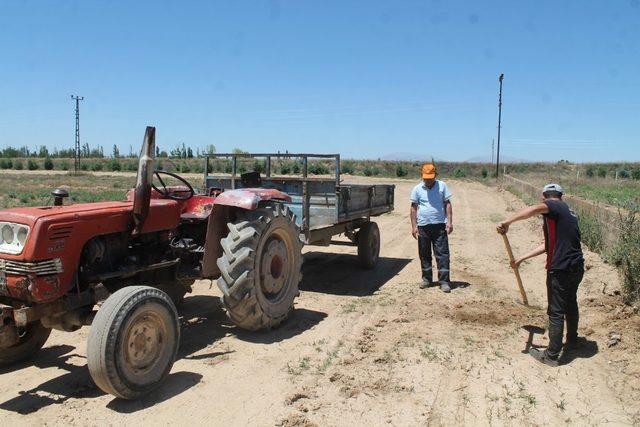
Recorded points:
(434,235)
(562,289)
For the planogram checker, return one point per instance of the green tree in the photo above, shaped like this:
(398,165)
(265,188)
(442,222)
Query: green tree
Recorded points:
(48,163)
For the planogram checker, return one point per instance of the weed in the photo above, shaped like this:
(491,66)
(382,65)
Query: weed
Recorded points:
(626,255)
(562,405)
(329,358)
(319,345)
(303,365)
(429,353)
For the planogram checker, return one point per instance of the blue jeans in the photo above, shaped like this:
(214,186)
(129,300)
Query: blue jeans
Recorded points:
(434,235)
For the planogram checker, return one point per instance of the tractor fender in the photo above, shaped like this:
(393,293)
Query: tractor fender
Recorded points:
(250,198)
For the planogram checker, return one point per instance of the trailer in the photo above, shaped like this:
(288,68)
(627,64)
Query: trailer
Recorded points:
(323,206)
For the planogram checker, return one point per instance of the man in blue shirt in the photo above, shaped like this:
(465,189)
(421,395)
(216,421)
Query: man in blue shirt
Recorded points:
(431,223)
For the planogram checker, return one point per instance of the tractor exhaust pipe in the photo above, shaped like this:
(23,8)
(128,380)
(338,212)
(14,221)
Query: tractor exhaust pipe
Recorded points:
(146,167)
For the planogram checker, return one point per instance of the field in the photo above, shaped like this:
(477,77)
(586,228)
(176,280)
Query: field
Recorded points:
(366,347)
(624,193)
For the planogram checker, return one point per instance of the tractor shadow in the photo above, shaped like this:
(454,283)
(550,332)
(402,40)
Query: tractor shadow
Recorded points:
(76,383)
(340,274)
(204,322)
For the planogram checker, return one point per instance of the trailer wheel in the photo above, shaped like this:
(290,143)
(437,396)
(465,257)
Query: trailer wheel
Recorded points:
(368,245)
(260,267)
(32,340)
(133,341)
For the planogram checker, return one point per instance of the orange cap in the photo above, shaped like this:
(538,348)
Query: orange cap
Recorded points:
(428,171)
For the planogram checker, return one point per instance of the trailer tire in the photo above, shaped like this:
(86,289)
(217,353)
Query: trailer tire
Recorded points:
(133,341)
(33,339)
(368,245)
(260,267)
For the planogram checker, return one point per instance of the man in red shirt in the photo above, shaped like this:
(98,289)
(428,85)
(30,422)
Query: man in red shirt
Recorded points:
(565,267)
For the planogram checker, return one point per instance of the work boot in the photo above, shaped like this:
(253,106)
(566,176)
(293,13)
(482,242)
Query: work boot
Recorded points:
(541,356)
(444,287)
(426,284)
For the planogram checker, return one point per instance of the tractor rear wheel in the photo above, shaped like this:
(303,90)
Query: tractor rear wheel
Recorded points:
(260,267)
(368,245)
(32,340)
(133,341)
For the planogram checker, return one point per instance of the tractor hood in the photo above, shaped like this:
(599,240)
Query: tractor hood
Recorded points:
(30,215)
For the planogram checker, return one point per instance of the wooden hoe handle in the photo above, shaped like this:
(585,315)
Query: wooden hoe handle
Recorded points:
(516,270)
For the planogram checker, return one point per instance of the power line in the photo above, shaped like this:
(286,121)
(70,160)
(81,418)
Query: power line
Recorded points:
(77,150)
(499,125)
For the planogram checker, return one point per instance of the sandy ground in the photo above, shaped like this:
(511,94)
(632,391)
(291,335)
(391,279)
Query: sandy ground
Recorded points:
(369,347)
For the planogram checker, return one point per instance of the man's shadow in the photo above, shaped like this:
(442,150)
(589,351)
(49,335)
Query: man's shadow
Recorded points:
(585,348)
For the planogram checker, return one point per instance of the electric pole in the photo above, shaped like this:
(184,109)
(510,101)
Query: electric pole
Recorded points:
(493,142)
(77,150)
(499,124)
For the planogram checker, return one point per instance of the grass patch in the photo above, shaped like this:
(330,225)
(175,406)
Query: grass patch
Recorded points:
(303,365)
(626,256)
(18,190)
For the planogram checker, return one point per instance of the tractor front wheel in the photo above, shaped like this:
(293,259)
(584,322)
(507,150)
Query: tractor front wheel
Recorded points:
(30,341)
(133,341)
(260,267)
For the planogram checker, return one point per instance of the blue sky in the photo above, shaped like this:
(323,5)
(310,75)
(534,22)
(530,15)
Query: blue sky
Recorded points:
(362,78)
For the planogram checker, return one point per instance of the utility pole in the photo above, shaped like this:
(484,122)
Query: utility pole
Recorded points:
(77,150)
(493,142)
(499,124)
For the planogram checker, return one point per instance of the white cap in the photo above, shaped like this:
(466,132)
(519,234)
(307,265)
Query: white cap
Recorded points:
(553,187)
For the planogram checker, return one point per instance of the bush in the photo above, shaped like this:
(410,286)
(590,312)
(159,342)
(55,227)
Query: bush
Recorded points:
(347,167)
(32,165)
(48,164)
(401,171)
(484,172)
(96,166)
(635,174)
(258,166)
(114,165)
(285,169)
(6,164)
(184,168)
(602,172)
(627,256)
(295,168)
(317,168)
(367,171)
(591,232)
(591,171)
(133,166)
(64,166)
(198,167)
(459,173)
(84,167)
(623,173)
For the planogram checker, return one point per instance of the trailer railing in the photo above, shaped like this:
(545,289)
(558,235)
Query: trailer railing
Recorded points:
(303,176)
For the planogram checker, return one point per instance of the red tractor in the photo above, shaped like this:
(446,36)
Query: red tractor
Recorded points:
(122,267)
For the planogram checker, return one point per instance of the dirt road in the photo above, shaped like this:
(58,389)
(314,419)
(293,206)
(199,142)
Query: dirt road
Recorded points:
(370,348)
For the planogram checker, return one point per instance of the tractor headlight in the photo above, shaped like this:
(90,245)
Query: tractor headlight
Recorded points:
(13,237)
(22,235)
(7,234)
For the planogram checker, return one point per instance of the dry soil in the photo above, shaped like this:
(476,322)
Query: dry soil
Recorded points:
(370,348)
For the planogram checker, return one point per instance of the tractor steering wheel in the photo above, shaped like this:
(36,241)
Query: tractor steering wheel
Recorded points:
(170,195)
